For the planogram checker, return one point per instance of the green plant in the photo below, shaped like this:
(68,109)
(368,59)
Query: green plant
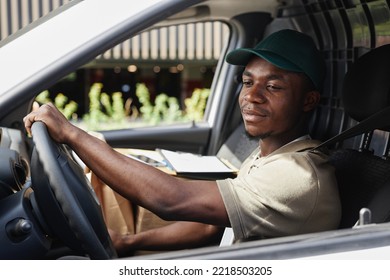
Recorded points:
(196,104)
(61,102)
(43,97)
(95,114)
(146,108)
(118,107)
(104,108)
(167,109)
(109,111)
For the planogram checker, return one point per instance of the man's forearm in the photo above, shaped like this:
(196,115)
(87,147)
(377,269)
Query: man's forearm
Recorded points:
(176,236)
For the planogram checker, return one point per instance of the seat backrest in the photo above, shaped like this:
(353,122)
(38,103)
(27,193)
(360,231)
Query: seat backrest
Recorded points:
(363,177)
(238,146)
(364,182)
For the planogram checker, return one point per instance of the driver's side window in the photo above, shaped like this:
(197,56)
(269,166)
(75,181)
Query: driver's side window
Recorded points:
(159,77)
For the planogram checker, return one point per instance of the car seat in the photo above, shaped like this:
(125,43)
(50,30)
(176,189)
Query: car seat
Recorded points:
(238,146)
(363,175)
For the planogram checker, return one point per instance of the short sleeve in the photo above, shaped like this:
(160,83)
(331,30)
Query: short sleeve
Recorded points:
(276,198)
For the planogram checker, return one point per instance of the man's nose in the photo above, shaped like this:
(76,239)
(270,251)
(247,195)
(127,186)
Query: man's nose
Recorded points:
(255,95)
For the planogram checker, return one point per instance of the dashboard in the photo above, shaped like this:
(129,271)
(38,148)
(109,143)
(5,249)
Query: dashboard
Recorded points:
(14,161)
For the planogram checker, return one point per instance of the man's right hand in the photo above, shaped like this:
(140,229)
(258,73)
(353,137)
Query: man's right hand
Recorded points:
(58,126)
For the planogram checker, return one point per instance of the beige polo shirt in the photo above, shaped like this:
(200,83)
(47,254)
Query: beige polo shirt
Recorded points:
(291,191)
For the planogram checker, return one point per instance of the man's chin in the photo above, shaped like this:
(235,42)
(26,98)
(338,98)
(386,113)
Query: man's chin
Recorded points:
(256,136)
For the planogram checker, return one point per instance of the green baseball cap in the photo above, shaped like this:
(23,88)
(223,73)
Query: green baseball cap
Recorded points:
(287,49)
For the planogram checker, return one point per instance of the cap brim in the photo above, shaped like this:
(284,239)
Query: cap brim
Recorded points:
(243,56)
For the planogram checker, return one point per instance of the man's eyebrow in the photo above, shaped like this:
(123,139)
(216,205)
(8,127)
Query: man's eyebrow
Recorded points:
(275,77)
(247,73)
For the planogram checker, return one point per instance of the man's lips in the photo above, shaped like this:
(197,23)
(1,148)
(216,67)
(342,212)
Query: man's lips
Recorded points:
(251,115)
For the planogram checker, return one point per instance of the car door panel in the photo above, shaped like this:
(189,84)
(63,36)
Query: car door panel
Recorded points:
(183,137)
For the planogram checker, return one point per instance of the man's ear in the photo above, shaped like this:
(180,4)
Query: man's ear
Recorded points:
(312,99)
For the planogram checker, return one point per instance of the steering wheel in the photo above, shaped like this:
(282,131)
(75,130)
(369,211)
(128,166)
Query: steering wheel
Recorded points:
(65,198)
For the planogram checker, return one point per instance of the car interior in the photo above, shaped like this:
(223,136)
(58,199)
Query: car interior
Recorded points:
(57,214)
(362,175)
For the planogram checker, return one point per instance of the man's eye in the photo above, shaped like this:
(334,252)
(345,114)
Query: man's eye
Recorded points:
(273,87)
(246,83)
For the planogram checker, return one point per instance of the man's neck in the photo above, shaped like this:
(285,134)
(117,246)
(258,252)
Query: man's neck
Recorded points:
(269,145)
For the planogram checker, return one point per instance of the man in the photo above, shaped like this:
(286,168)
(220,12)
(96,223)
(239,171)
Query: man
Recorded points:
(283,188)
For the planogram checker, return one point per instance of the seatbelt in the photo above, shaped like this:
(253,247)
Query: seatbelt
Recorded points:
(378,120)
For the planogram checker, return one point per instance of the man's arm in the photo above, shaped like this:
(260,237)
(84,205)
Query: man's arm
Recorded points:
(169,197)
(176,236)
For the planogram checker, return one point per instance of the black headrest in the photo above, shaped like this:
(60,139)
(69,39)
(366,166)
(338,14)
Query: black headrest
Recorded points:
(366,88)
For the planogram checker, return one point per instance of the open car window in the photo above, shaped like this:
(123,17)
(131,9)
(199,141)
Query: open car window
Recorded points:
(162,76)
